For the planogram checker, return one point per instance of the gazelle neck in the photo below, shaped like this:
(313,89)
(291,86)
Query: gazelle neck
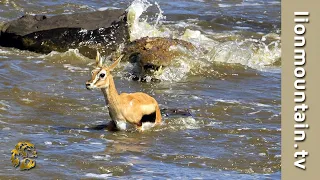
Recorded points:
(111,95)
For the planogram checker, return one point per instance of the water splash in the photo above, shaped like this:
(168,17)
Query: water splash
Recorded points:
(139,27)
(233,49)
(253,53)
(182,123)
(249,52)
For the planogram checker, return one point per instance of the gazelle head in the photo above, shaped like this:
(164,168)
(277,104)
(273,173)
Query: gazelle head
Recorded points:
(101,74)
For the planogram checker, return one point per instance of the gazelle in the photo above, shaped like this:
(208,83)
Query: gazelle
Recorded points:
(135,108)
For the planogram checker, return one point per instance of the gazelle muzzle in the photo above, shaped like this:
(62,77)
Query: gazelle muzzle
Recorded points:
(90,85)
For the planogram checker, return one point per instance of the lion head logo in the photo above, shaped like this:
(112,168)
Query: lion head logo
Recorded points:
(23,155)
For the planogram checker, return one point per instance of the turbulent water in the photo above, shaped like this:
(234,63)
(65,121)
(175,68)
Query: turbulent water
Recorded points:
(231,86)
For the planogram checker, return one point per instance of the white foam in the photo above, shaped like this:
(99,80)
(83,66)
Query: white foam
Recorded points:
(224,5)
(213,124)
(228,101)
(254,54)
(27,100)
(3,121)
(186,123)
(4,51)
(274,2)
(175,73)
(72,68)
(249,4)
(95,143)
(5,105)
(107,8)
(48,143)
(6,129)
(147,126)
(255,112)
(261,105)
(248,52)
(102,157)
(262,154)
(98,176)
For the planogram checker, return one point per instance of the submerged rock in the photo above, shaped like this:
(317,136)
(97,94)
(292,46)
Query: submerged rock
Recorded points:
(102,30)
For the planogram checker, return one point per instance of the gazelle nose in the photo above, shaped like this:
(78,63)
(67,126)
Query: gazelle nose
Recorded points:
(88,85)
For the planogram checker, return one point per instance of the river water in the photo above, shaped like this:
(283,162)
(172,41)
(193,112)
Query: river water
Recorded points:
(231,87)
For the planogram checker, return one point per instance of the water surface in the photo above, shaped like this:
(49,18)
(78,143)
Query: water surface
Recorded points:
(231,87)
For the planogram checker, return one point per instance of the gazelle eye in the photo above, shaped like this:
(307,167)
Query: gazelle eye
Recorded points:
(102,75)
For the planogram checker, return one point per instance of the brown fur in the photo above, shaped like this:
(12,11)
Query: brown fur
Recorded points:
(124,107)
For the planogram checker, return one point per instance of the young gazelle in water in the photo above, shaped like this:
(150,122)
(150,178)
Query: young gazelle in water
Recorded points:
(135,108)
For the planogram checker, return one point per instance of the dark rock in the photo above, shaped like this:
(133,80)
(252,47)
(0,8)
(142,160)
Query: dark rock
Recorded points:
(102,30)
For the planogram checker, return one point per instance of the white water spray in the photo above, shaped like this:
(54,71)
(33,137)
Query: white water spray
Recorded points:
(249,52)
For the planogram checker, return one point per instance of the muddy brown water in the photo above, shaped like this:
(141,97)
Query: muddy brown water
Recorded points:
(233,131)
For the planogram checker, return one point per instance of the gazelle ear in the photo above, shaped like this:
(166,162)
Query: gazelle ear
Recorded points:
(113,65)
(98,60)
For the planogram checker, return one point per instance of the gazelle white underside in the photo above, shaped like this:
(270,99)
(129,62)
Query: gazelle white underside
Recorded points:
(147,126)
(123,125)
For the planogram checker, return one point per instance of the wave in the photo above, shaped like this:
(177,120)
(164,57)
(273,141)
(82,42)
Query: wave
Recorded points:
(235,49)
(217,51)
